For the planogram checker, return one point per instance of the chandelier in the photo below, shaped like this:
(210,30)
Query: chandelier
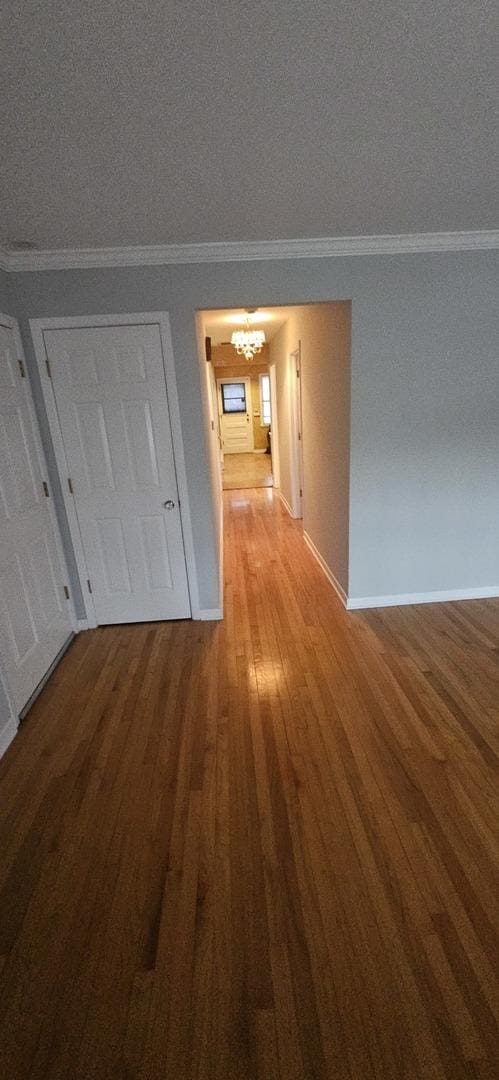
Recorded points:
(247,342)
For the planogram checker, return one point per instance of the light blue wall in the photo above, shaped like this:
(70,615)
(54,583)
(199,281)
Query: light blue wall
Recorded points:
(424,511)
(424,481)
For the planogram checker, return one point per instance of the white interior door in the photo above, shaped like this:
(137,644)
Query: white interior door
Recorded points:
(35,620)
(234,408)
(111,396)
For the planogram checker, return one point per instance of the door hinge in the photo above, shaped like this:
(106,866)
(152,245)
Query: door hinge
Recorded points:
(89,585)
(301,493)
(21,368)
(297,373)
(66,592)
(70,485)
(299,436)
(47,365)
(45,489)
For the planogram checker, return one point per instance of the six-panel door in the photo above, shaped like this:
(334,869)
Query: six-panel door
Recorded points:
(111,396)
(34,616)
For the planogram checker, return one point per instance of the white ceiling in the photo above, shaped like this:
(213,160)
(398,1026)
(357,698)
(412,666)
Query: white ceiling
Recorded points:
(220,324)
(154,122)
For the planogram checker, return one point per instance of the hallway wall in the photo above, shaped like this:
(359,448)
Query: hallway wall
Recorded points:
(323,330)
(210,425)
(424,483)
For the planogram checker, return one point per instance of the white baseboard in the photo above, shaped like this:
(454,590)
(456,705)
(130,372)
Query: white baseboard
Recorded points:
(286,504)
(355,603)
(207,614)
(43,682)
(82,624)
(339,590)
(7,734)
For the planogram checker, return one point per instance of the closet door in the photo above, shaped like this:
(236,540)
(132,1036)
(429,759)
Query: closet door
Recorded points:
(35,621)
(110,390)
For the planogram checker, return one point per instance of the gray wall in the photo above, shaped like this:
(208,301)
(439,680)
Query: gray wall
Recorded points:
(323,332)
(424,511)
(425,397)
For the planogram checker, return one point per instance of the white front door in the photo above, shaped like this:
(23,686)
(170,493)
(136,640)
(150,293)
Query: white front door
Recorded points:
(111,396)
(35,620)
(234,407)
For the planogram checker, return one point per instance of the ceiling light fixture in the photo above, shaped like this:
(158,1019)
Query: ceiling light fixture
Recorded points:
(248,342)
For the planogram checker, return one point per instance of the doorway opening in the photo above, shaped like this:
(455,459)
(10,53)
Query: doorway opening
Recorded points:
(279,418)
(242,404)
(243,396)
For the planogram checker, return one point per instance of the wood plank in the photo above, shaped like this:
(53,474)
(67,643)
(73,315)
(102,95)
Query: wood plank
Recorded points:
(265,849)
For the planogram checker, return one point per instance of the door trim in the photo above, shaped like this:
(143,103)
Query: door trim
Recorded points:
(246,379)
(143,318)
(8,320)
(274,426)
(295,426)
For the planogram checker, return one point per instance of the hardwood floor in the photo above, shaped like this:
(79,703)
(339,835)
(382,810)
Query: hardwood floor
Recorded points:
(259,849)
(247,471)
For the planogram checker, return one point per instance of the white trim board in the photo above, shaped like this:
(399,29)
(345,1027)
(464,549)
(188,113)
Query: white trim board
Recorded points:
(244,250)
(356,603)
(287,506)
(12,323)
(161,318)
(209,614)
(439,596)
(7,734)
(339,590)
(43,681)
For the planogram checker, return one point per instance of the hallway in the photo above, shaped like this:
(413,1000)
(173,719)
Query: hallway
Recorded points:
(261,849)
(247,471)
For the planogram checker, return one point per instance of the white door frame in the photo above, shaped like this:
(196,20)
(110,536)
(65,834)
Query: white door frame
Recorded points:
(9,729)
(162,320)
(274,427)
(295,431)
(13,324)
(246,379)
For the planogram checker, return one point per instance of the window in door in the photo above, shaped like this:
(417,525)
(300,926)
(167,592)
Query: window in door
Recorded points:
(265,410)
(233,397)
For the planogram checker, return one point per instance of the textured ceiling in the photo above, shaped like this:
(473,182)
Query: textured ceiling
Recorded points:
(151,122)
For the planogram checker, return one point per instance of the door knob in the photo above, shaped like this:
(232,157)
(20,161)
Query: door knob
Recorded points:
(169,504)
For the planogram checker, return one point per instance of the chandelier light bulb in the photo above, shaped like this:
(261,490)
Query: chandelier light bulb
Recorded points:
(248,342)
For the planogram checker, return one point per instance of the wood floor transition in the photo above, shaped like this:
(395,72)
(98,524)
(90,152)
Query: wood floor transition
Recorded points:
(263,849)
(247,471)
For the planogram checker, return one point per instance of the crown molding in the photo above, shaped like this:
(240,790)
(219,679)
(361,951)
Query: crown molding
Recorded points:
(245,250)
